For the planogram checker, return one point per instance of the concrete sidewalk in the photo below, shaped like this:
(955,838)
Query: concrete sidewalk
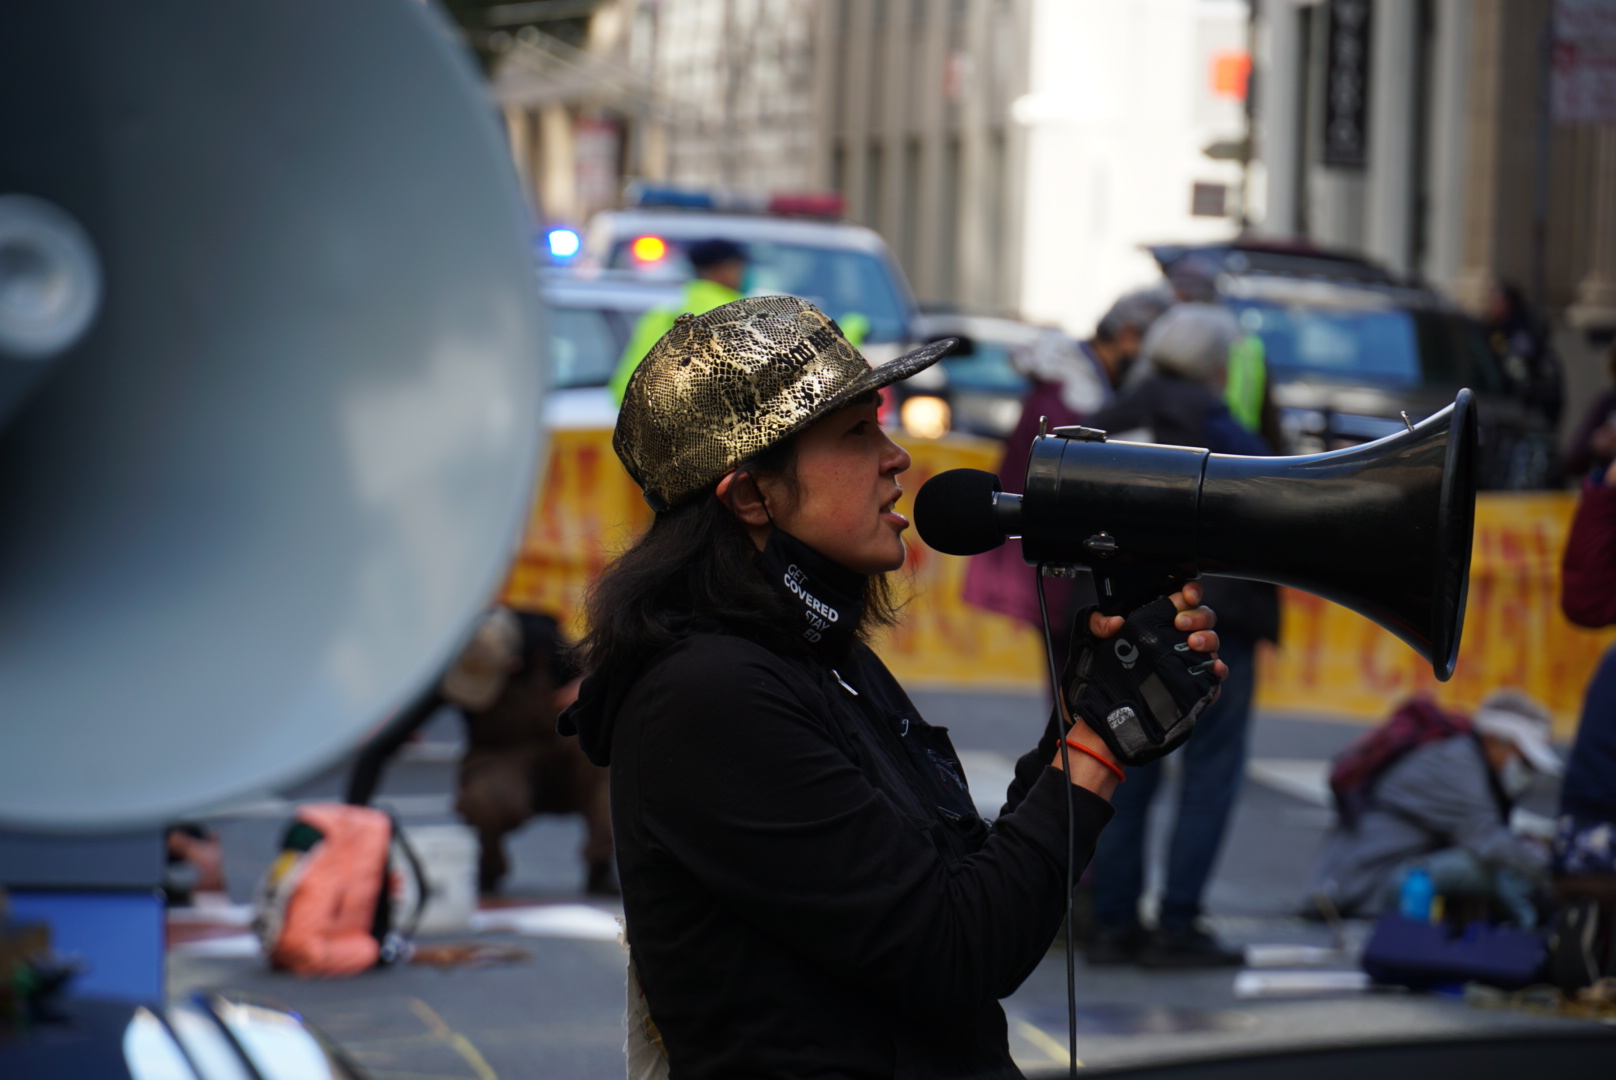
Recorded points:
(557,1015)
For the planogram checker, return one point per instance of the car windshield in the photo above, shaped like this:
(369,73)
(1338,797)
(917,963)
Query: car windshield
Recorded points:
(986,368)
(841,283)
(1375,348)
(1454,353)
(585,345)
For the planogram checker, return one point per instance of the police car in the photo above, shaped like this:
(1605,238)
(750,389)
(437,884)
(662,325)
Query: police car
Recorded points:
(796,246)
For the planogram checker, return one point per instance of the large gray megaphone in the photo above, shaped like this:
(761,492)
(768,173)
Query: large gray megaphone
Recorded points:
(1383,528)
(269,390)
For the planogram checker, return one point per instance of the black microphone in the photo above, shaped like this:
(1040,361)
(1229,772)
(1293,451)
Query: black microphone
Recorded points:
(964,512)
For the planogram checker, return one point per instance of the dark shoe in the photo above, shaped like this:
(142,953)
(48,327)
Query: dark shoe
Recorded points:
(1188,947)
(1110,946)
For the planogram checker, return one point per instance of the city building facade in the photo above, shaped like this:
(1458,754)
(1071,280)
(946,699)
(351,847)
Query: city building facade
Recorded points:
(1455,140)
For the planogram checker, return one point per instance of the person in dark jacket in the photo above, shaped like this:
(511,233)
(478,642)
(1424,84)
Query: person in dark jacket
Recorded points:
(808,890)
(1585,835)
(1181,403)
(1069,383)
(1521,340)
(1593,446)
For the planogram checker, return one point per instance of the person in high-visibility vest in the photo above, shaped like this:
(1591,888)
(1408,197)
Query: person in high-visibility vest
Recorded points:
(720,267)
(1247,382)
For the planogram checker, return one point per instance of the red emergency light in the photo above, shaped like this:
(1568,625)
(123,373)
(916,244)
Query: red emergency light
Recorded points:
(820,204)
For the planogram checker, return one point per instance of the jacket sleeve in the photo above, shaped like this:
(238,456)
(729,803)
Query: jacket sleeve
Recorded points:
(1030,767)
(1588,572)
(1580,457)
(752,796)
(1124,413)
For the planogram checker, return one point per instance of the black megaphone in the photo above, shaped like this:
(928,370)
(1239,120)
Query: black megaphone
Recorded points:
(1383,529)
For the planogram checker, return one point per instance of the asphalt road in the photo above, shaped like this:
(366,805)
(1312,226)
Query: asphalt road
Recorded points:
(556,1014)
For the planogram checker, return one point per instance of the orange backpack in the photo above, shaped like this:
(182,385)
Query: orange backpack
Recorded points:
(326,906)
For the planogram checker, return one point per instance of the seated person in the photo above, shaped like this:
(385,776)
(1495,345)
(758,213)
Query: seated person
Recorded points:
(1585,838)
(1445,806)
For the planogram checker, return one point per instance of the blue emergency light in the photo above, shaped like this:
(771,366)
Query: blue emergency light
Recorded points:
(564,243)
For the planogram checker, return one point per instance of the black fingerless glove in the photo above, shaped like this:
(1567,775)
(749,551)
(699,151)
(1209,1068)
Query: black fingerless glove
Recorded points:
(1142,689)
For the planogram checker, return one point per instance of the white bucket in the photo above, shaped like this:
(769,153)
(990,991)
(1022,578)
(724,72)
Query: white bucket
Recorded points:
(448,855)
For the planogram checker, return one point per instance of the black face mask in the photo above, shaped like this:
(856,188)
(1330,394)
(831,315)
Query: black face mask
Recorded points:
(829,596)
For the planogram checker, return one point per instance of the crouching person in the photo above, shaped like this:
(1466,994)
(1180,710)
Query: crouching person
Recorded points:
(1442,803)
(516,764)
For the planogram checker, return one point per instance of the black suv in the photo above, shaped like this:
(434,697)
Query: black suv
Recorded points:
(1350,348)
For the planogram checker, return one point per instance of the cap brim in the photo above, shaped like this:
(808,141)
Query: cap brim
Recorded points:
(1541,756)
(886,374)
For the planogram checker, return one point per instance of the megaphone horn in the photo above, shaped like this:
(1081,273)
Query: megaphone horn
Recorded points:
(1383,529)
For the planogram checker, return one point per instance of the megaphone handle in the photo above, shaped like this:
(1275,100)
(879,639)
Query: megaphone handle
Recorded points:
(1122,589)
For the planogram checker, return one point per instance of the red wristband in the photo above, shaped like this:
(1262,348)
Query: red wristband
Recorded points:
(1107,762)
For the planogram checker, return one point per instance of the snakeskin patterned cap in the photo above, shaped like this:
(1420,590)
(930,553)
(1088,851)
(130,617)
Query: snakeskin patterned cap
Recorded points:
(720,387)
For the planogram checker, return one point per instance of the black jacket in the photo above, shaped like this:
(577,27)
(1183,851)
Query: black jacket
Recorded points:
(808,890)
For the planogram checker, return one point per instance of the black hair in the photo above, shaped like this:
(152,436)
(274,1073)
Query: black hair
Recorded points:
(695,563)
(704,254)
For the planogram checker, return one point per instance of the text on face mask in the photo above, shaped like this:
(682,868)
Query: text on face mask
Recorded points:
(820,614)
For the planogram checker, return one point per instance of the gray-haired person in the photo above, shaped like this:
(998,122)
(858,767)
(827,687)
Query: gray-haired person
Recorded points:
(1070,381)
(1179,401)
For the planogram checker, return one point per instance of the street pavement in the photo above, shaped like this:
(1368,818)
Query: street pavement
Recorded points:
(557,1012)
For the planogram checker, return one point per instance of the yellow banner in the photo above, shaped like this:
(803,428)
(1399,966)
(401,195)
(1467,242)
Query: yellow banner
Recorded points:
(1331,660)
(1334,661)
(587,511)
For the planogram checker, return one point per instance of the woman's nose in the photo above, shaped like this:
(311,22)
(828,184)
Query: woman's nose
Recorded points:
(894,458)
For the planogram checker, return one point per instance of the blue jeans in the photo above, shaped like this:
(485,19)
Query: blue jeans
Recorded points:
(1214,760)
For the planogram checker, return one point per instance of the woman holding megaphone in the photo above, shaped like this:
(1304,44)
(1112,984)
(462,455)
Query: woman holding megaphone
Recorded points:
(807,885)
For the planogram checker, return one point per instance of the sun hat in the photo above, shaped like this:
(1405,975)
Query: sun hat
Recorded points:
(722,386)
(1512,716)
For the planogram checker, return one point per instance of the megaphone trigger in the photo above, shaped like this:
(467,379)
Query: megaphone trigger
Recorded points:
(1123,588)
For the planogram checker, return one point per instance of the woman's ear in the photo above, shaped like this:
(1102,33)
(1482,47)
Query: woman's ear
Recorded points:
(740,492)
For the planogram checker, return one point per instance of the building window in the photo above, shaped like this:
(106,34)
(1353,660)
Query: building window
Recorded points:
(874,184)
(997,219)
(948,234)
(909,196)
(1209,200)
